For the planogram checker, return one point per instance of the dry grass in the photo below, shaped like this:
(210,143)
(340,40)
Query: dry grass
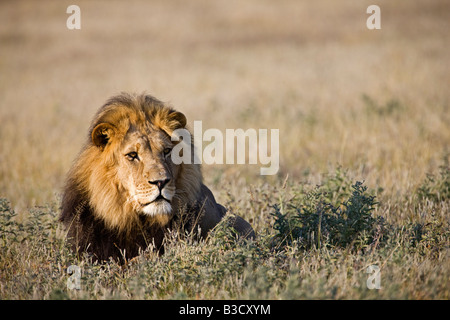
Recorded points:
(374,102)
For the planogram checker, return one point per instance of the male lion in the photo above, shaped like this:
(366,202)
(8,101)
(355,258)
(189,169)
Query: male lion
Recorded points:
(124,192)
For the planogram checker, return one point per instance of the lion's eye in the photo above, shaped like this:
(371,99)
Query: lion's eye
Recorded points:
(166,151)
(132,156)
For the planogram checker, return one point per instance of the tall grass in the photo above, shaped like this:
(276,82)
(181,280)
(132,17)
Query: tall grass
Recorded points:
(364,141)
(318,243)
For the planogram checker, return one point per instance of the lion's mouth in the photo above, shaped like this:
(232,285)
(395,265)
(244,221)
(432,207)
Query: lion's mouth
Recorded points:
(160,206)
(158,199)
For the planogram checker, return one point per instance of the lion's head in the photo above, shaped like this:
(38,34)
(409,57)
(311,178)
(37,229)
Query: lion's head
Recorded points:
(124,189)
(126,170)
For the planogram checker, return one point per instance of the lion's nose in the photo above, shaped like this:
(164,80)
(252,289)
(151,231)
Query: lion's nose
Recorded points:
(160,183)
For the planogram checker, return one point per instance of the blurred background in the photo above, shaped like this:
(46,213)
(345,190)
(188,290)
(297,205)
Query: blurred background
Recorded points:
(375,102)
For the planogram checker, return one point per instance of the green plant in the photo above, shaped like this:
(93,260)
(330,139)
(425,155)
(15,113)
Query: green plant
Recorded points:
(329,216)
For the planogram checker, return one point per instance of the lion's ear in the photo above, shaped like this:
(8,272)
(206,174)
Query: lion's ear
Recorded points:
(174,120)
(102,134)
(177,120)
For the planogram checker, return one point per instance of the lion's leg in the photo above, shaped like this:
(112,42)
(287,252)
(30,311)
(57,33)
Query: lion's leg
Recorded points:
(244,228)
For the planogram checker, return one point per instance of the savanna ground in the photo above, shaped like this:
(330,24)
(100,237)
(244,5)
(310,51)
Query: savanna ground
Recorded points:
(364,143)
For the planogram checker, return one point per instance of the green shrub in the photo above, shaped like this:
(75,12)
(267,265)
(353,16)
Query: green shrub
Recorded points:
(333,214)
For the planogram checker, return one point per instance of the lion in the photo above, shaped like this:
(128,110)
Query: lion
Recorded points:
(124,192)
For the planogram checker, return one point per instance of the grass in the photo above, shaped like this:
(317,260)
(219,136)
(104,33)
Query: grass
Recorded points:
(317,243)
(364,143)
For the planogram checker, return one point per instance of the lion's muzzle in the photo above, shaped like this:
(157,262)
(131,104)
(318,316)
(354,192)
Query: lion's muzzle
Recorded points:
(155,197)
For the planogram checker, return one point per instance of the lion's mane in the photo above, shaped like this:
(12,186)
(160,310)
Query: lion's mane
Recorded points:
(98,217)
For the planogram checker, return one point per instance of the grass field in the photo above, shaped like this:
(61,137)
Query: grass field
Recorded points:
(356,109)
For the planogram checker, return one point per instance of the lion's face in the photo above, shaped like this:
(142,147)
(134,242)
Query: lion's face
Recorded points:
(135,148)
(147,171)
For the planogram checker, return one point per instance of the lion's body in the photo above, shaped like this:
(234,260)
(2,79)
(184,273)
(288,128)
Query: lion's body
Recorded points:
(124,192)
